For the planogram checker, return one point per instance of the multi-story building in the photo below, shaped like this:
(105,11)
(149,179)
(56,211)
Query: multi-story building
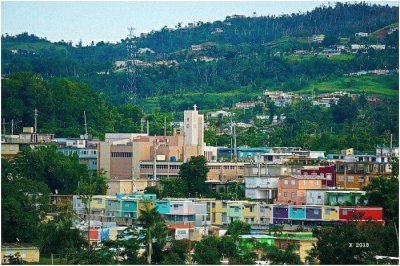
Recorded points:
(87,151)
(261,181)
(338,197)
(225,171)
(218,212)
(11,145)
(333,197)
(136,158)
(243,153)
(293,189)
(327,174)
(177,211)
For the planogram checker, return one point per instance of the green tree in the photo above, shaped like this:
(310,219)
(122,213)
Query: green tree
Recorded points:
(384,191)
(59,237)
(194,174)
(178,252)
(155,231)
(206,251)
(237,228)
(353,243)
(46,164)
(278,256)
(176,188)
(345,109)
(23,204)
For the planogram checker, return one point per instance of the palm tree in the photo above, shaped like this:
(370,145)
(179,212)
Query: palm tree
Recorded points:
(154,226)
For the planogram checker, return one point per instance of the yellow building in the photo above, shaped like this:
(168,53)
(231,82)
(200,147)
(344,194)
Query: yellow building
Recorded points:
(330,213)
(99,202)
(218,212)
(27,252)
(9,150)
(249,212)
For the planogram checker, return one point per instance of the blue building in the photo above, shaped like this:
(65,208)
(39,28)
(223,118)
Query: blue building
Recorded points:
(244,153)
(86,156)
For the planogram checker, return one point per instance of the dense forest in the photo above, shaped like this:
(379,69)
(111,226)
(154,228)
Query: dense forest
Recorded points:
(239,58)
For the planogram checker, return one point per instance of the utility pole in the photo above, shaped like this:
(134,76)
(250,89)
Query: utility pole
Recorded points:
(36,115)
(84,116)
(4,126)
(148,128)
(234,143)
(345,175)
(165,126)
(155,161)
(12,126)
(141,125)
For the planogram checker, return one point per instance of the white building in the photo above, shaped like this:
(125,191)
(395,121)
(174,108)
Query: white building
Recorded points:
(211,153)
(194,130)
(361,34)
(220,113)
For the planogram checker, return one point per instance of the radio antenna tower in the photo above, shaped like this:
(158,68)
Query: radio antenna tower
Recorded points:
(131,74)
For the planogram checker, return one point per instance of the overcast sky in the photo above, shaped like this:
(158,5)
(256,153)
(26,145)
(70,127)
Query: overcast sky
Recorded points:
(108,21)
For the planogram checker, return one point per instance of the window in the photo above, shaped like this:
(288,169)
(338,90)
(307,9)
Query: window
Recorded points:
(99,201)
(293,195)
(223,204)
(316,211)
(251,208)
(293,182)
(328,211)
(341,178)
(285,194)
(286,182)
(319,197)
(361,179)
(12,147)
(350,178)
(344,212)
(3,147)
(262,209)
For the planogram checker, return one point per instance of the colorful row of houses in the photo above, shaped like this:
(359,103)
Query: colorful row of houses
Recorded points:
(125,210)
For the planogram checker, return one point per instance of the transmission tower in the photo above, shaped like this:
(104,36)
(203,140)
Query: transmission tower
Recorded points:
(131,73)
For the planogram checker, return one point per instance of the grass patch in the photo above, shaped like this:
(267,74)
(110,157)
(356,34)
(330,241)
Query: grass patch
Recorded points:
(382,85)
(31,47)
(342,57)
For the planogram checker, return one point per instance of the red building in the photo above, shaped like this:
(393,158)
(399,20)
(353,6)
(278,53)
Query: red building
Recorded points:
(356,213)
(327,174)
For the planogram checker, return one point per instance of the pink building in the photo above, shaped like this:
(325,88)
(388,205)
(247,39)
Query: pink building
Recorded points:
(293,189)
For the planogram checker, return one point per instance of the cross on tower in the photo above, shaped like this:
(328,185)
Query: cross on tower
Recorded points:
(195,107)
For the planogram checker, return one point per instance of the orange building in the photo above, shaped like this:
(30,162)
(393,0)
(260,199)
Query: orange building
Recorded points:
(294,189)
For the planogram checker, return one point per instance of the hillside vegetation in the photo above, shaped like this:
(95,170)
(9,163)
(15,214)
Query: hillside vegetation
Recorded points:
(235,60)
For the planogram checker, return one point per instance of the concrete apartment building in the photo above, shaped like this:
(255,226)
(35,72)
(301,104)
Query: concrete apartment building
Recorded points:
(133,161)
(293,189)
